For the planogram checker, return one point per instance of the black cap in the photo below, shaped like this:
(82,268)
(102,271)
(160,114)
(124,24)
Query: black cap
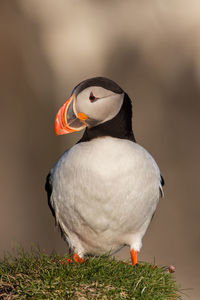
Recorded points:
(98,81)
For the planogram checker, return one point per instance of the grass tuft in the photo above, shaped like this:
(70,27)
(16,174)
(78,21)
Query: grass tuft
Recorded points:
(37,275)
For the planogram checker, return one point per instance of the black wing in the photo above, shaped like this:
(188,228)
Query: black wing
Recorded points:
(162,182)
(49,188)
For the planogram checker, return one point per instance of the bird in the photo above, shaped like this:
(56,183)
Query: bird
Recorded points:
(103,191)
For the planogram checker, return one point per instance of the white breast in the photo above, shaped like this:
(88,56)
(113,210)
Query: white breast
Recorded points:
(105,192)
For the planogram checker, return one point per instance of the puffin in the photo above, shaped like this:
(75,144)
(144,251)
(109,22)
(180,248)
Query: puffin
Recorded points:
(103,191)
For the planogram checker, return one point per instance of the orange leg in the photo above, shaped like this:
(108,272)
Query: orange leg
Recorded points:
(134,257)
(76,258)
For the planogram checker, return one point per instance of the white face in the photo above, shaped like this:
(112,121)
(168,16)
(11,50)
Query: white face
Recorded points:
(105,107)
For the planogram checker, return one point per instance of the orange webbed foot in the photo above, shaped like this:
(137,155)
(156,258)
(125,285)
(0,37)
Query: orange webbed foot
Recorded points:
(76,258)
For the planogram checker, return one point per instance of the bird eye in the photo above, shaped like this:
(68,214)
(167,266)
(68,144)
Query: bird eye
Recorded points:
(92,97)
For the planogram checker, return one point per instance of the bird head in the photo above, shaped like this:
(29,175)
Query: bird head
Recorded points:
(92,102)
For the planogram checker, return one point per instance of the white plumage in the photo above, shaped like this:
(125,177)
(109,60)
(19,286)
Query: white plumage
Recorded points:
(105,192)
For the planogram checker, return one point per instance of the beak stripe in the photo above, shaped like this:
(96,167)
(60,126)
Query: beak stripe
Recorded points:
(61,126)
(66,121)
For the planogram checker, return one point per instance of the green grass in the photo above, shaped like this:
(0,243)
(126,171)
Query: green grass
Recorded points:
(36,275)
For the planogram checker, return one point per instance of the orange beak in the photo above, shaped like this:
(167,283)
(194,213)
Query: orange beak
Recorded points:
(67,119)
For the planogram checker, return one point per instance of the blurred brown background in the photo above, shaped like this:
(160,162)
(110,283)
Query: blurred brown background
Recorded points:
(152,49)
